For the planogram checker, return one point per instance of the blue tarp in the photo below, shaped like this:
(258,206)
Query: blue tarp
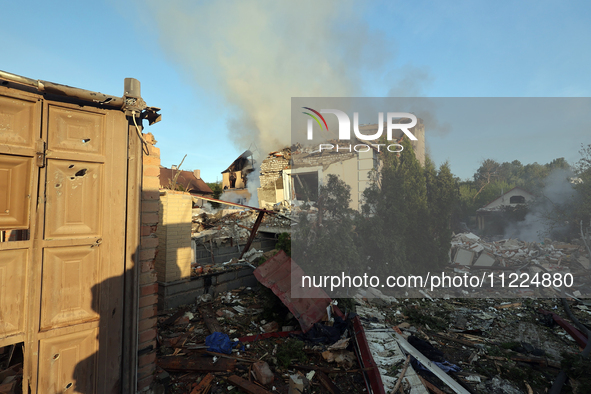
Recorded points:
(219,342)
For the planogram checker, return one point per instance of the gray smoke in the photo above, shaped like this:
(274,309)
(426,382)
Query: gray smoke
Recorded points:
(259,54)
(253,182)
(545,216)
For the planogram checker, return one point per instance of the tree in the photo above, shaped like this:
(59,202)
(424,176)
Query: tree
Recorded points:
(405,221)
(488,171)
(216,188)
(582,204)
(324,243)
(442,202)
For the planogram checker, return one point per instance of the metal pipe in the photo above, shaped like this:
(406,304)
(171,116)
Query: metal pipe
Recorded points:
(64,90)
(18,79)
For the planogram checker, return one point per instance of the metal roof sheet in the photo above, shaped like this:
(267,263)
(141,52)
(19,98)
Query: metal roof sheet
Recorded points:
(277,274)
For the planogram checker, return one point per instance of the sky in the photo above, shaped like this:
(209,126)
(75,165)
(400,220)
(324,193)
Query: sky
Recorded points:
(224,72)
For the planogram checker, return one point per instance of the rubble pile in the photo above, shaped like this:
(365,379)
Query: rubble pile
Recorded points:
(247,340)
(266,354)
(233,223)
(487,345)
(525,263)
(469,249)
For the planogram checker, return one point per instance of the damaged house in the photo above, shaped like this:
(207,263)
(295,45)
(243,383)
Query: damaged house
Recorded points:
(234,179)
(295,174)
(188,181)
(489,216)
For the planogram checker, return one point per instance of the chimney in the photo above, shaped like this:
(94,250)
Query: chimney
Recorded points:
(197,174)
(173,167)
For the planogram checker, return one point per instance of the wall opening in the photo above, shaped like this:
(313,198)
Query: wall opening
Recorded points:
(305,186)
(14,235)
(517,200)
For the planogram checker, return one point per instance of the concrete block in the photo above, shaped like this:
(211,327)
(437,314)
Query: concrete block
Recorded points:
(244,272)
(485,260)
(182,286)
(249,281)
(226,277)
(464,257)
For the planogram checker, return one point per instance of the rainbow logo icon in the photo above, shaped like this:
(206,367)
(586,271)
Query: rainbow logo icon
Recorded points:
(315,118)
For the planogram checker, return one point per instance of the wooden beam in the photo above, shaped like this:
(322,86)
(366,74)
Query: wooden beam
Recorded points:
(205,383)
(201,364)
(247,386)
(327,382)
(209,318)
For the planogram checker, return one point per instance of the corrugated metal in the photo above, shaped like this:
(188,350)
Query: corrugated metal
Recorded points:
(276,274)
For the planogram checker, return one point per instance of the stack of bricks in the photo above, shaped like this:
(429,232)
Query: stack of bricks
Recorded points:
(147,275)
(173,261)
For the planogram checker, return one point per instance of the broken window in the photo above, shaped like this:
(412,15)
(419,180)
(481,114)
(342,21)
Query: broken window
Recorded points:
(517,200)
(11,368)
(14,235)
(232,180)
(305,186)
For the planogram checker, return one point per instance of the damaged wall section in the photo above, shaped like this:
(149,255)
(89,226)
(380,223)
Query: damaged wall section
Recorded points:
(173,261)
(148,286)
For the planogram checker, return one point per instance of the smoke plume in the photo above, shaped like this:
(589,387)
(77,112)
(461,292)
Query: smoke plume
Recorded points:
(258,55)
(546,216)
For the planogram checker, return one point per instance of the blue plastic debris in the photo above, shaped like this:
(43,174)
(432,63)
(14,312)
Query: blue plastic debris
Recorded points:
(219,342)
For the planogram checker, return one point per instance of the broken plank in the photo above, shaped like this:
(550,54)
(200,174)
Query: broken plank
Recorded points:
(407,347)
(412,379)
(247,386)
(512,305)
(457,340)
(430,386)
(173,318)
(327,382)
(211,322)
(399,381)
(246,360)
(328,370)
(541,361)
(203,385)
(201,364)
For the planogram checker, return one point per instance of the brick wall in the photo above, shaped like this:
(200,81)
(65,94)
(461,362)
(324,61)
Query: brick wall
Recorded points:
(174,258)
(148,297)
(271,169)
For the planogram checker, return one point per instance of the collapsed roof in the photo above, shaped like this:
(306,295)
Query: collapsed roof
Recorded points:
(186,179)
(242,163)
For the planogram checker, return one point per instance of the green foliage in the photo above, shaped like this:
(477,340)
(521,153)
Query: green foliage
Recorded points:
(325,241)
(273,308)
(577,368)
(289,351)
(216,187)
(346,304)
(407,215)
(284,243)
(582,203)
